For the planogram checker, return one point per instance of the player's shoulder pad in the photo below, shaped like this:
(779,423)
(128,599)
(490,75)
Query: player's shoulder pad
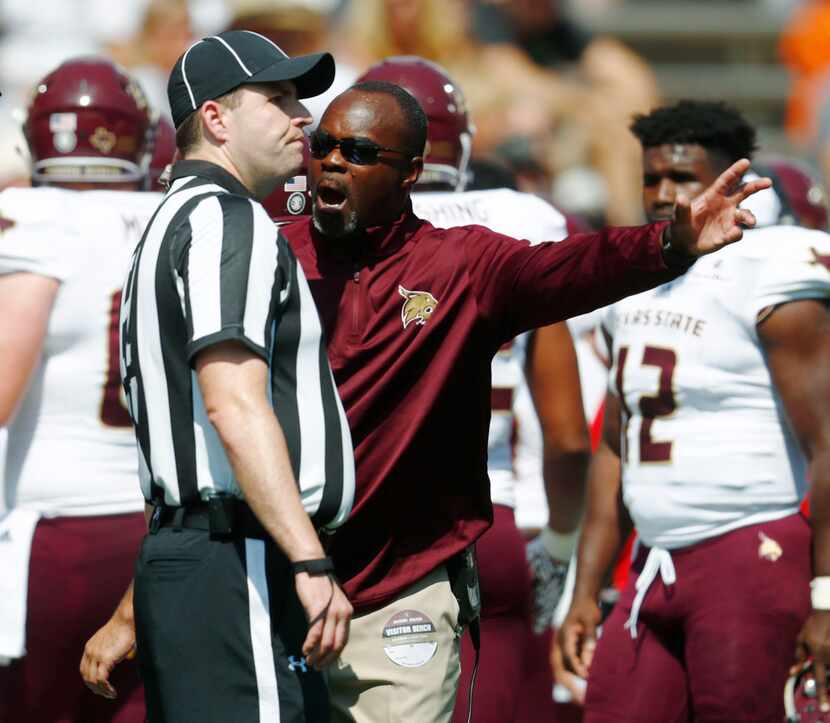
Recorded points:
(137,202)
(35,205)
(40,239)
(541,221)
(783,243)
(793,263)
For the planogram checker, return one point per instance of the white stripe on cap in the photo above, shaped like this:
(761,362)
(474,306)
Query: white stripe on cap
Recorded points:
(184,74)
(267,40)
(233,52)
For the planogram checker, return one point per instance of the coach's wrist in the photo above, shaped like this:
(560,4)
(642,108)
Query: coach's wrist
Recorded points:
(675,258)
(820,592)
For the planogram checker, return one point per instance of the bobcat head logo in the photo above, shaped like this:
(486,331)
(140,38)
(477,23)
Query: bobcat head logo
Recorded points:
(418,306)
(769,549)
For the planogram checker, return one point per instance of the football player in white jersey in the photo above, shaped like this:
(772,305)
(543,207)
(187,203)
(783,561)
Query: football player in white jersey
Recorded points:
(718,414)
(542,365)
(73,510)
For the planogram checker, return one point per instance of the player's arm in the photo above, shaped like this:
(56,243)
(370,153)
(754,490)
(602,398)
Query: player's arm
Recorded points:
(520,287)
(26,300)
(553,380)
(796,339)
(604,532)
(233,381)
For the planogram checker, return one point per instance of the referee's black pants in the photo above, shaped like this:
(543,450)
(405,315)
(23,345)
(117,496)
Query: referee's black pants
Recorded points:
(219,631)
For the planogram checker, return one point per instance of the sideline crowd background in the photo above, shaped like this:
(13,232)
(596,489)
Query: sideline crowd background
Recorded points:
(551,85)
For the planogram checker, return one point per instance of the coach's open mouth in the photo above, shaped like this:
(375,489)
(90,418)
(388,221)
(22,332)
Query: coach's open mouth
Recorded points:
(330,198)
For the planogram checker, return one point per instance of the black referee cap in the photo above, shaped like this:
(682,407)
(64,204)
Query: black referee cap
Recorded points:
(216,65)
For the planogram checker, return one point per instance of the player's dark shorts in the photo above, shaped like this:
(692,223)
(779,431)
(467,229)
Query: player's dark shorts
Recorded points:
(220,631)
(78,571)
(716,645)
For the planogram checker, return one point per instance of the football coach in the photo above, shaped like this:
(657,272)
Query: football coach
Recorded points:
(243,443)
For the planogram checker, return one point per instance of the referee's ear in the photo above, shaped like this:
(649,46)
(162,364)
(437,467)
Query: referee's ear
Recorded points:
(214,118)
(416,166)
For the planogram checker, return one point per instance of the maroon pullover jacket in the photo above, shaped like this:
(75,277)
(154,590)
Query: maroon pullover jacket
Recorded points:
(413,316)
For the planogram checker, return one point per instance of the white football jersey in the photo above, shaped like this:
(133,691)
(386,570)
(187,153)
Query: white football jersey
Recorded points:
(706,448)
(71,448)
(514,455)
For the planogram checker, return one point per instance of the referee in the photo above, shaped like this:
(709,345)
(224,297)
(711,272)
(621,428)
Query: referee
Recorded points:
(244,446)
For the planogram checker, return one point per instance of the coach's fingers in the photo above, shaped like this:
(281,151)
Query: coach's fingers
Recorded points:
(96,676)
(107,688)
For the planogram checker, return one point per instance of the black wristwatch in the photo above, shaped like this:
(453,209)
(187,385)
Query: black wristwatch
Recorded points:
(320,566)
(674,260)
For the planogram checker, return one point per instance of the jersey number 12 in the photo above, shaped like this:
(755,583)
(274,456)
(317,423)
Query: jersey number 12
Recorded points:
(661,404)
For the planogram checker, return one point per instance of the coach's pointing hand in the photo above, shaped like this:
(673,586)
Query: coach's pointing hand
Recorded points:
(713,219)
(329,613)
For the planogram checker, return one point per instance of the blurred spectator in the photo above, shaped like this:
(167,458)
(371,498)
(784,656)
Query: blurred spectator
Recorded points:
(553,40)
(163,34)
(806,52)
(621,85)
(555,122)
(298,27)
(490,172)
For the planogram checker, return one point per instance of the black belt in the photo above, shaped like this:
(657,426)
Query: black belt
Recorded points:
(223,516)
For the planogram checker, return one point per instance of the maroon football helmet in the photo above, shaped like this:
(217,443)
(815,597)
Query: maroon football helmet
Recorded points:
(450,133)
(87,121)
(291,199)
(163,146)
(801,698)
(803,199)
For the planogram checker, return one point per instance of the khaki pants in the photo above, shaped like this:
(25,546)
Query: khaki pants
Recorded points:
(401,664)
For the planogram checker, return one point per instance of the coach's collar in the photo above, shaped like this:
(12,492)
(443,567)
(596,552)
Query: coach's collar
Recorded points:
(206,169)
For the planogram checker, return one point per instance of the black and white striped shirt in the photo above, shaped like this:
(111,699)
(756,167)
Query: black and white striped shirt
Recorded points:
(212,267)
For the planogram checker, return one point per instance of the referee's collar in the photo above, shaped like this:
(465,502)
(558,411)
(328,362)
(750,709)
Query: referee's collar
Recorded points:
(211,171)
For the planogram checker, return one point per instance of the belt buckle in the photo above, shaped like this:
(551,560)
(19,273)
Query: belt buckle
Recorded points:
(155,520)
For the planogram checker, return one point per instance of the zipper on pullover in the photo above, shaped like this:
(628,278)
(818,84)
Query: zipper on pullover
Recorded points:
(356,303)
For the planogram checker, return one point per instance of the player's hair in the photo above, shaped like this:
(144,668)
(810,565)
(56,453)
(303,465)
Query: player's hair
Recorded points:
(189,134)
(416,119)
(714,125)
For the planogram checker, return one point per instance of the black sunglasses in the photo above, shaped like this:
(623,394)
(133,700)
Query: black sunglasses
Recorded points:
(360,151)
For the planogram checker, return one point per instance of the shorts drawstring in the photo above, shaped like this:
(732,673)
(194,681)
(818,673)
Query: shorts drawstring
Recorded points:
(658,560)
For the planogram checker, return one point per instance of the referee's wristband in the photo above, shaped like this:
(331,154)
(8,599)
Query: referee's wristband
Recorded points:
(321,566)
(820,593)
